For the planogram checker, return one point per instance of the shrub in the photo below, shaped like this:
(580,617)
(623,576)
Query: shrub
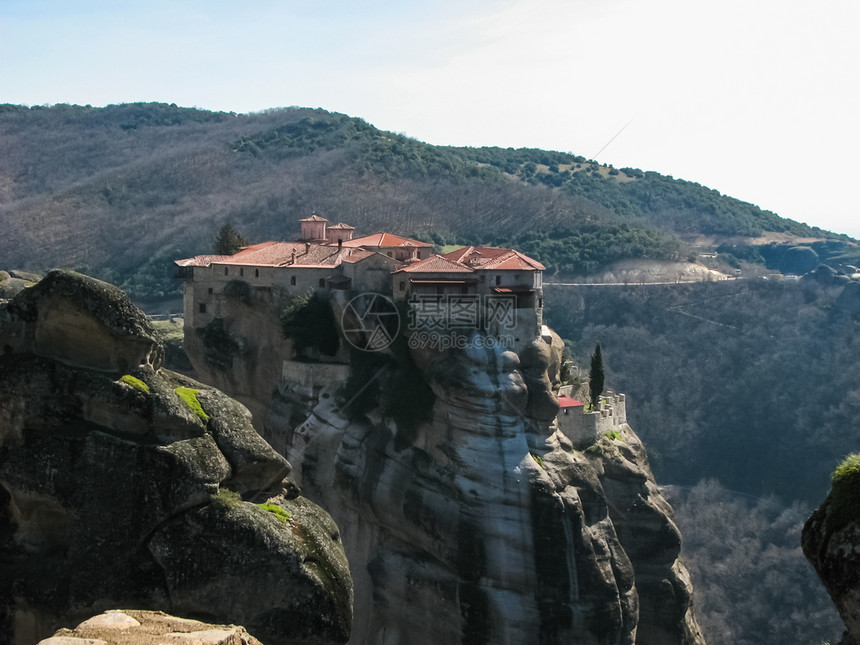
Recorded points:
(596,377)
(228,241)
(409,398)
(219,345)
(847,470)
(845,493)
(361,390)
(395,384)
(238,290)
(309,321)
(225,498)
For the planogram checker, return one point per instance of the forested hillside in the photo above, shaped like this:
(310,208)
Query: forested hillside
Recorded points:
(750,384)
(121,191)
(753,585)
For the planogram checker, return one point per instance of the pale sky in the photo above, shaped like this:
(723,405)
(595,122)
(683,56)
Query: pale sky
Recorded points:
(758,99)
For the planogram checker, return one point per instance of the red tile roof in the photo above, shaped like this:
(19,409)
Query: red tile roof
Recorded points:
(278,254)
(340,226)
(266,254)
(475,252)
(200,260)
(466,260)
(253,248)
(314,218)
(384,240)
(356,255)
(491,257)
(567,402)
(436,264)
(515,261)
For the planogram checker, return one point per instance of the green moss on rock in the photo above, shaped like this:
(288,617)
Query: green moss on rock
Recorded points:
(189,395)
(135,382)
(277,511)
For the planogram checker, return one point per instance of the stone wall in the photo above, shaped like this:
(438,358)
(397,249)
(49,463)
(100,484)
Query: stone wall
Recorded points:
(371,274)
(209,287)
(584,428)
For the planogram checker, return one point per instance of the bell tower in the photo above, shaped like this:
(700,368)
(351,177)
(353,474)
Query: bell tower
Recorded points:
(313,229)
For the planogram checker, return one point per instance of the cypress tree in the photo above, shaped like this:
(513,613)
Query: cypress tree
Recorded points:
(596,377)
(228,241)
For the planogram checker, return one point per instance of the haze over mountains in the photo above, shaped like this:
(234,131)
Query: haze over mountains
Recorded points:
(121,191)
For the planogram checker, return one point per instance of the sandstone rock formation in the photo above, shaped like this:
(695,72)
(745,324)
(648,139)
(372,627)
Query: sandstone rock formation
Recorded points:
(484,524)
(135,627)
(125,484)
(480,524)
(642,519)
(831,542)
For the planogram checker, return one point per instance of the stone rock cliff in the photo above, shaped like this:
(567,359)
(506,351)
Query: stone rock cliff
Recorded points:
(125,484)
(482,523)
(488,526)
(242,353)
(831,542)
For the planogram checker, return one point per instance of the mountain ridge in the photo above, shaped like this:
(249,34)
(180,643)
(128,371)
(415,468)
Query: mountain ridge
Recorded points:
(121,191)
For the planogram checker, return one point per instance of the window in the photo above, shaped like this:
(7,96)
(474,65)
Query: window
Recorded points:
(210,291)
(225,270)
(293,281)
(322,283)
(402,285)
(241,271)
(256,273)
(202,307)
(498,280)
(389,254)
